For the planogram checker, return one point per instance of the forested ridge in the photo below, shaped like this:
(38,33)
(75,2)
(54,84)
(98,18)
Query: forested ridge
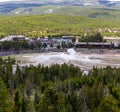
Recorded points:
(58,88)
(55,25)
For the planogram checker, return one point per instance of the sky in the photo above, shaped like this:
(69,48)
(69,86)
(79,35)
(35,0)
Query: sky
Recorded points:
(55,0)
(9,0)
(113,0)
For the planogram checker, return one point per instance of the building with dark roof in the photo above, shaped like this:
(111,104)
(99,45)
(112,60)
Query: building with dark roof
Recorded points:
(93,45)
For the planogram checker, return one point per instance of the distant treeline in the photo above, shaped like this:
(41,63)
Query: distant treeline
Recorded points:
(18,46)
(58,88)
(55,25)
(97,37)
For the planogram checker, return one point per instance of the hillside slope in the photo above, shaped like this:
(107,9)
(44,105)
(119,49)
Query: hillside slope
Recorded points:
(30,6)
(43,25)
(91,12)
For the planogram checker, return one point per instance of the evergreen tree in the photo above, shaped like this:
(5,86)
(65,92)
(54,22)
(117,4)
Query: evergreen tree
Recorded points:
(5,100)
(17,107)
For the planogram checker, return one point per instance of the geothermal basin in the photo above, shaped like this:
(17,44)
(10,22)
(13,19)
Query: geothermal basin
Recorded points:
(84,60)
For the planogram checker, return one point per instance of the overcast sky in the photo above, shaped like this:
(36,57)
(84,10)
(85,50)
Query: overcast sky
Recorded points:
(55,0)
(9,0)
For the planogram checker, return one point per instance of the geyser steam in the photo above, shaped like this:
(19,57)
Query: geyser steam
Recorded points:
(71,51)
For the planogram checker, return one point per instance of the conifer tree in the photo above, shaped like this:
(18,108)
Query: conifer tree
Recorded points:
(5,105)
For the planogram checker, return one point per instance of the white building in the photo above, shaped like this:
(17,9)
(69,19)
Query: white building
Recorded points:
(14,38)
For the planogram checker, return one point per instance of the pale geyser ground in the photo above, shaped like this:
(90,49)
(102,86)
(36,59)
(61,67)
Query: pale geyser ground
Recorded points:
(84,61)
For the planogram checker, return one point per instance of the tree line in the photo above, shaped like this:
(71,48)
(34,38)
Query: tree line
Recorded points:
(17,45)
(96,37)
(58,88)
